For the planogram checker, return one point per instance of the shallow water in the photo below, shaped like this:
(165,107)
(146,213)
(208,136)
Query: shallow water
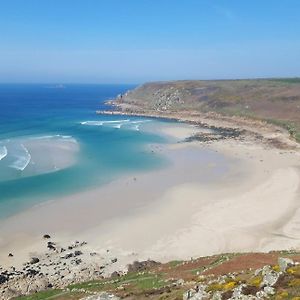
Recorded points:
(53,144)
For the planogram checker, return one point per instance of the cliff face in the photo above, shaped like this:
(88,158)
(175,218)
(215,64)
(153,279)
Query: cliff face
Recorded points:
(274,100)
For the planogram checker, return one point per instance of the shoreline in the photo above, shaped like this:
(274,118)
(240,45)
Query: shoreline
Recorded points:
(255,129)
(184,213)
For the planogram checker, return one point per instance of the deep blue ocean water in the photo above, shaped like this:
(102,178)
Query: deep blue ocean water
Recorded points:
(40,124)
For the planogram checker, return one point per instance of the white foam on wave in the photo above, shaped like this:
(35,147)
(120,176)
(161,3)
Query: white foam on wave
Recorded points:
(42,137)
(137,124)
(23,160)
(65,136)
(47,137)
(140,122)
(3,152)
(101,123)
(127,123)
(118,126)
(116,121)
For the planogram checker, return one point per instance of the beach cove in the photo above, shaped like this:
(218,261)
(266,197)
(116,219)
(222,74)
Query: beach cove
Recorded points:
(227,197)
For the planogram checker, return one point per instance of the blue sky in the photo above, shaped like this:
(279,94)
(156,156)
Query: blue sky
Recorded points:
(132,41)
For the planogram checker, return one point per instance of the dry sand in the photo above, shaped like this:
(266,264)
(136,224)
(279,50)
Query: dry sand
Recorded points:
(225,196)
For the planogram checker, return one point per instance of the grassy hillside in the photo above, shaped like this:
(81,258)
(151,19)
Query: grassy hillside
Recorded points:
(274,100)
(217,275)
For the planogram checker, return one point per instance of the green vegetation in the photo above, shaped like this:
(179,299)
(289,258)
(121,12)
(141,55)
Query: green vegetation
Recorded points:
(50,294)
(291,127)
(287,80)
(175,263)
(136,281)
(274,100)
(222,258)
(171,280)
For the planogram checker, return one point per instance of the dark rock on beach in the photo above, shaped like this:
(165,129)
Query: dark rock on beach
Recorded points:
(77,253)
(3,279)
(34,260)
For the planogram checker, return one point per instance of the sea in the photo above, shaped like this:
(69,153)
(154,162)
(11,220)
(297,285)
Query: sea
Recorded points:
(53,144)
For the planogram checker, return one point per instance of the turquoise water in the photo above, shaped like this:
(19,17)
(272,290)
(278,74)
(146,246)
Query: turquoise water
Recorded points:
(53,144)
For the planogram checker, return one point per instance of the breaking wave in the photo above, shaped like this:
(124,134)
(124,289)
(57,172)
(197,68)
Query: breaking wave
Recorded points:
(67,138)
(3,152)
(22,160)
(128,124)
(18,156)
(47,137)
(101,123)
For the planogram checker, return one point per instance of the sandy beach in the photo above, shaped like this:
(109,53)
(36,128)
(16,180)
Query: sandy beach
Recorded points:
(223,196)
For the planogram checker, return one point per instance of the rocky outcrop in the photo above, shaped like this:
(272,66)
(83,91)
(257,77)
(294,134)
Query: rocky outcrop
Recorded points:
(137,266)
(102,296)
(56,268)
(233,276)
(262,285)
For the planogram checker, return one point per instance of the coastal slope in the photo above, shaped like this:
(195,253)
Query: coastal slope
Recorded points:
(233,276)
(276,101)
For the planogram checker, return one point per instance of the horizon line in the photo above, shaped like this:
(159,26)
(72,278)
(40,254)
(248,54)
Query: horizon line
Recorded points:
(149,81)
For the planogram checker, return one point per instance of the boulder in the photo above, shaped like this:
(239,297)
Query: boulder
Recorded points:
(270,277)
(141,266)
(34,260)
(102,296)
(51,247)
(198,294)
(3,279)
(269,290)
(115,274)
(284,263)
(77,253)
(69,255)
(217,296)
(238,291)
